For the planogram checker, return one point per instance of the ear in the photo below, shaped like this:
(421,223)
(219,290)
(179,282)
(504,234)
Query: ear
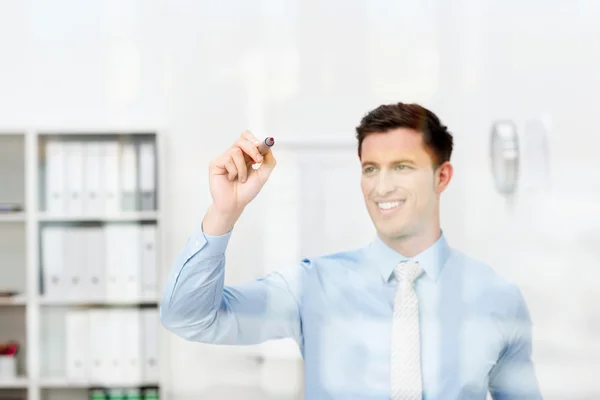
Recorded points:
(443,176)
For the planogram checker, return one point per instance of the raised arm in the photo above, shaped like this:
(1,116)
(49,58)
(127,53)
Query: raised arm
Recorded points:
(196,304)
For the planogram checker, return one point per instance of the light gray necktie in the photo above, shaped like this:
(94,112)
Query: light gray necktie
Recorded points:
(406,377)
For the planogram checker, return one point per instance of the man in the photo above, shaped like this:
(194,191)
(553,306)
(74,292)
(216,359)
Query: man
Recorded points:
(405,317)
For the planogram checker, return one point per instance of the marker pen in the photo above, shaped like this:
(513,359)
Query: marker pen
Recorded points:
(265,145)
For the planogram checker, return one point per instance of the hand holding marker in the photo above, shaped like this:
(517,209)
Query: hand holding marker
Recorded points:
(234,182)
(265,145)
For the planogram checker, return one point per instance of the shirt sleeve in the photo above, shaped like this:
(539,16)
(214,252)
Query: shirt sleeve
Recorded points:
(513,377)
(197,306)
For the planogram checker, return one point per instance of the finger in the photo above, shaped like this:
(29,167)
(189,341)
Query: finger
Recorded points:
(231,169)
(250,149)
(268,165)
(253,139)
(240,163)
(217,166)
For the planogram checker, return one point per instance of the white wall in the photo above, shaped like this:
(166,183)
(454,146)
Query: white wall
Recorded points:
(206,70)
(538,60)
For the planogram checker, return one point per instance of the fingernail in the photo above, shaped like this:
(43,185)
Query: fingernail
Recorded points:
(243,180)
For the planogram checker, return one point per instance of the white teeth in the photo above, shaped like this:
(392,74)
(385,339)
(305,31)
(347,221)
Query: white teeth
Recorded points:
(390,204)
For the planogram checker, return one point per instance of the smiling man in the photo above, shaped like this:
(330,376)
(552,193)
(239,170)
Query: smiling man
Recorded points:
(404,317)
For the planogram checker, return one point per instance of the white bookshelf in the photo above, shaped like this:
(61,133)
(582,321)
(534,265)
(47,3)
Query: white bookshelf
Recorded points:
(13,256)
(18,383)
(13,217)
(115,217)
(24,316)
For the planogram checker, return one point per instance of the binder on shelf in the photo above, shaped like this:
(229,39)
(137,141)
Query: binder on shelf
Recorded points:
(117,346)
(93,201)
(113,246)
(150,325)
(122,249)
(100,367)
(77,345)
(131,262)
(129,183)
(150,394)
(111,188)
(55,177)
(52,350)
(149,263)
(133,394)
(74,174)
(131,345)
(95,274)
(147,176)
(53,278)
(74,246)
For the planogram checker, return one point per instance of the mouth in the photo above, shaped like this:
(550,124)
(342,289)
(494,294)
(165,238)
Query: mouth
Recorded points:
(388,207)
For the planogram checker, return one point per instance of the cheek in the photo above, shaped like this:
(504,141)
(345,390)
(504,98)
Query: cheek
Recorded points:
(420,188)
(366,187)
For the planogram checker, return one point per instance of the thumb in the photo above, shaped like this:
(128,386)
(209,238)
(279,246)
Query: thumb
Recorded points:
(267,165)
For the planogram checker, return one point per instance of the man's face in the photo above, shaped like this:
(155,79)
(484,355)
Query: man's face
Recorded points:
(399,183)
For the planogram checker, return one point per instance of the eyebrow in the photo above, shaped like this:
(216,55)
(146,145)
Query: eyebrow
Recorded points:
(402,161)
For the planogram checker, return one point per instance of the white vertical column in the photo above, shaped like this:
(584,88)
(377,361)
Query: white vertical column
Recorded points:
(33,311)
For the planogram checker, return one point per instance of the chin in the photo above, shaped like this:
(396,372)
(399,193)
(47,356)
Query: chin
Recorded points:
(392,232)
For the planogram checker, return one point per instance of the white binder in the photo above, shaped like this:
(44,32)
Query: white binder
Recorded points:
(93,201)
(52,343)
(122,244)
(55,177)
(111,189)
(99,347)
(53,262)
(73,249)
(129,183)
(147,173)
(95,274)
(150,327)
(149,263)
(113,245)
(131,262)
(77,336)
(131,346)
(74,174)
(114,346)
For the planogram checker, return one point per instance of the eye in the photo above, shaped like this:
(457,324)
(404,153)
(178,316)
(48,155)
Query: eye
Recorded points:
(368,170)
(402,167)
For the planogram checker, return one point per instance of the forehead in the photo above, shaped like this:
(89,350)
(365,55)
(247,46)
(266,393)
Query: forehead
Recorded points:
(400,142)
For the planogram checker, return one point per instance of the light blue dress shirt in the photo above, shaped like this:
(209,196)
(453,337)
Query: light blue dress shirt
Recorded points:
(475,326)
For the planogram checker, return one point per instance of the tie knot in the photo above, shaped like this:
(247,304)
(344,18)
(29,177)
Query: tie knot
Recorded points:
(408,271)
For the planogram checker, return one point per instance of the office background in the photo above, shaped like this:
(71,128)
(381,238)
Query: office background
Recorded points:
(191,75)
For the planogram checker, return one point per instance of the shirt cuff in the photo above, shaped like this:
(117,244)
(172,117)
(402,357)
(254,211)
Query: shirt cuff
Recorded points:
(210,245)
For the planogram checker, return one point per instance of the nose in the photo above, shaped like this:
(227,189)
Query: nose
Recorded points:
(385,184)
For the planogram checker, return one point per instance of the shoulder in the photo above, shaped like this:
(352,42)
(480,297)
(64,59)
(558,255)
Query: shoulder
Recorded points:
(335,263)
(344,259)
(481,282)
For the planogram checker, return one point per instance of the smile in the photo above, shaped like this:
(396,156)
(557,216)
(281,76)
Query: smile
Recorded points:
(390,205)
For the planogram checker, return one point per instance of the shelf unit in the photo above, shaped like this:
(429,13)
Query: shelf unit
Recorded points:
(22,163)
(18,383)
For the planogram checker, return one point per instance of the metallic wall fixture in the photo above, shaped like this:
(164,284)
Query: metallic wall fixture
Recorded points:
(504,156)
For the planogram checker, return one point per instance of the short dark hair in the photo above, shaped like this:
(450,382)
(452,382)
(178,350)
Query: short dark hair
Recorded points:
(413,116)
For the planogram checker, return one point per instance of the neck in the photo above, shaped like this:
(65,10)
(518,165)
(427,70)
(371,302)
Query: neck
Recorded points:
(413,244)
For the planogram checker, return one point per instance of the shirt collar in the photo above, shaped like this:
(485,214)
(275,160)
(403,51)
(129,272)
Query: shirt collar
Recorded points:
(431,259)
